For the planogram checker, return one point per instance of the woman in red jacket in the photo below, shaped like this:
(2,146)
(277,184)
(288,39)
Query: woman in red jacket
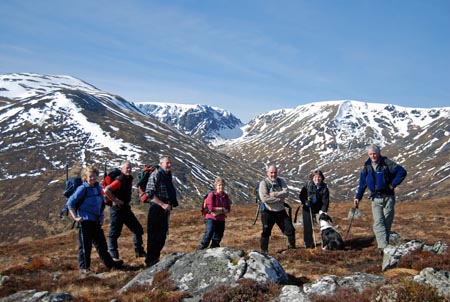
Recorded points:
(217,206)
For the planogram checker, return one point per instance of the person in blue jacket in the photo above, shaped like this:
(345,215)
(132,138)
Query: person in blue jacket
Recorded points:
(381,175)
(86,207)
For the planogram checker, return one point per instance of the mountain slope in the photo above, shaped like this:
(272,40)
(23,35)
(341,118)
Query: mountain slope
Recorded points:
(333,136)
(57,120)
(209,124)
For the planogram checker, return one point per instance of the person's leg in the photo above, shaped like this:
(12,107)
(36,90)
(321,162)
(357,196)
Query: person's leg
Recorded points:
(135,227)
(84,246)
(284,222)
(99,242)
(307,228)
(268,224)
(379,223)
(116,224)
(389,211)
(157,227)
(209,231)
(219,229)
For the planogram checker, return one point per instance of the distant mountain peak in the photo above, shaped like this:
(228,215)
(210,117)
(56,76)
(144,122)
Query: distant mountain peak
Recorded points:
(210,124)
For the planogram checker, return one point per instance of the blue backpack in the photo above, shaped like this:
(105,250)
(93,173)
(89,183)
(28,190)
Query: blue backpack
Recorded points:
(71,185)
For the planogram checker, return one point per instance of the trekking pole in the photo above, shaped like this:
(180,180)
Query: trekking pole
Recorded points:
(257,213)
(167,234)
(351,221)
(312,226)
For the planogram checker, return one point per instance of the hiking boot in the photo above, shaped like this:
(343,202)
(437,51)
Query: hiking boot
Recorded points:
(264,242)
(151,263)
(117,263)
(85,271)
(291,242)
(140,253)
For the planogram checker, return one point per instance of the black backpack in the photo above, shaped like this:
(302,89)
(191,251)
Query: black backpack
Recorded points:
(204,209)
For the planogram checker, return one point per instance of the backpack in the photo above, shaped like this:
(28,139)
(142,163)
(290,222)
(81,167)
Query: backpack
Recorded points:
(142,180)
(107,180)
(71,185)
(204,209)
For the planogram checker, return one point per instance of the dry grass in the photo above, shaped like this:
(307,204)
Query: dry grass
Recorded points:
(51,264)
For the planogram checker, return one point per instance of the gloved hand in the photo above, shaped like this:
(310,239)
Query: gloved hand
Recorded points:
(306,203)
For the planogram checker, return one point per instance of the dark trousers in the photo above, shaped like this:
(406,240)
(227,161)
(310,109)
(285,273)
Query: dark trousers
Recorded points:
(91,233)
(308,227)
(119,217)
(281,218)
(157,229)
(213,233)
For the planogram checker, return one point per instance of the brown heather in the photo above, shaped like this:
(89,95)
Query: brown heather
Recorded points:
(51,264)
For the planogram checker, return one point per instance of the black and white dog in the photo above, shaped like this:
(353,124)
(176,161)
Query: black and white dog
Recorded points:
(331,239)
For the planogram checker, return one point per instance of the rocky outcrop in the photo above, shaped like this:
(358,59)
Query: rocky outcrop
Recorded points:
(438,279)
(393,253)
(198,272)
(35,296)
(329,284)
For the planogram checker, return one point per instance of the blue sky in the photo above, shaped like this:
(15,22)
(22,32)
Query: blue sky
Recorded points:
(249,57)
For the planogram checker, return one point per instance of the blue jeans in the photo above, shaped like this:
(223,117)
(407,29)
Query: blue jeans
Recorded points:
(213,233)
(383,210)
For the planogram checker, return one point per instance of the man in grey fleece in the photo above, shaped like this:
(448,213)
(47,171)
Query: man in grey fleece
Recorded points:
(273,192)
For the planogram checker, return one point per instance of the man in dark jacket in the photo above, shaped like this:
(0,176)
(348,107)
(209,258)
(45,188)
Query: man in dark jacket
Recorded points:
(163,198)
(381,175)
(119,192)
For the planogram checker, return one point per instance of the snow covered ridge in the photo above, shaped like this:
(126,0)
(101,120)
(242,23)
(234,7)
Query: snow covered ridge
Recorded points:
(333,136)
(210,124)
(22,85)
(348,118)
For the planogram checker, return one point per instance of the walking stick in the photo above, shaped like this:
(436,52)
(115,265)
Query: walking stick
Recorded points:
(167,234)
(350,225)
(312,226)
(258,208)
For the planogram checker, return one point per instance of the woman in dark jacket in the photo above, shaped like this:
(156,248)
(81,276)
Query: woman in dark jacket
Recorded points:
(315,199)
(86,207)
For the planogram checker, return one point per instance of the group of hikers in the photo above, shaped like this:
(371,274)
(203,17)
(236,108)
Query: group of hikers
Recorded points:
(86,206)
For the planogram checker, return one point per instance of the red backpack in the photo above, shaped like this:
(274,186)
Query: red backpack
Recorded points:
(107,180)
